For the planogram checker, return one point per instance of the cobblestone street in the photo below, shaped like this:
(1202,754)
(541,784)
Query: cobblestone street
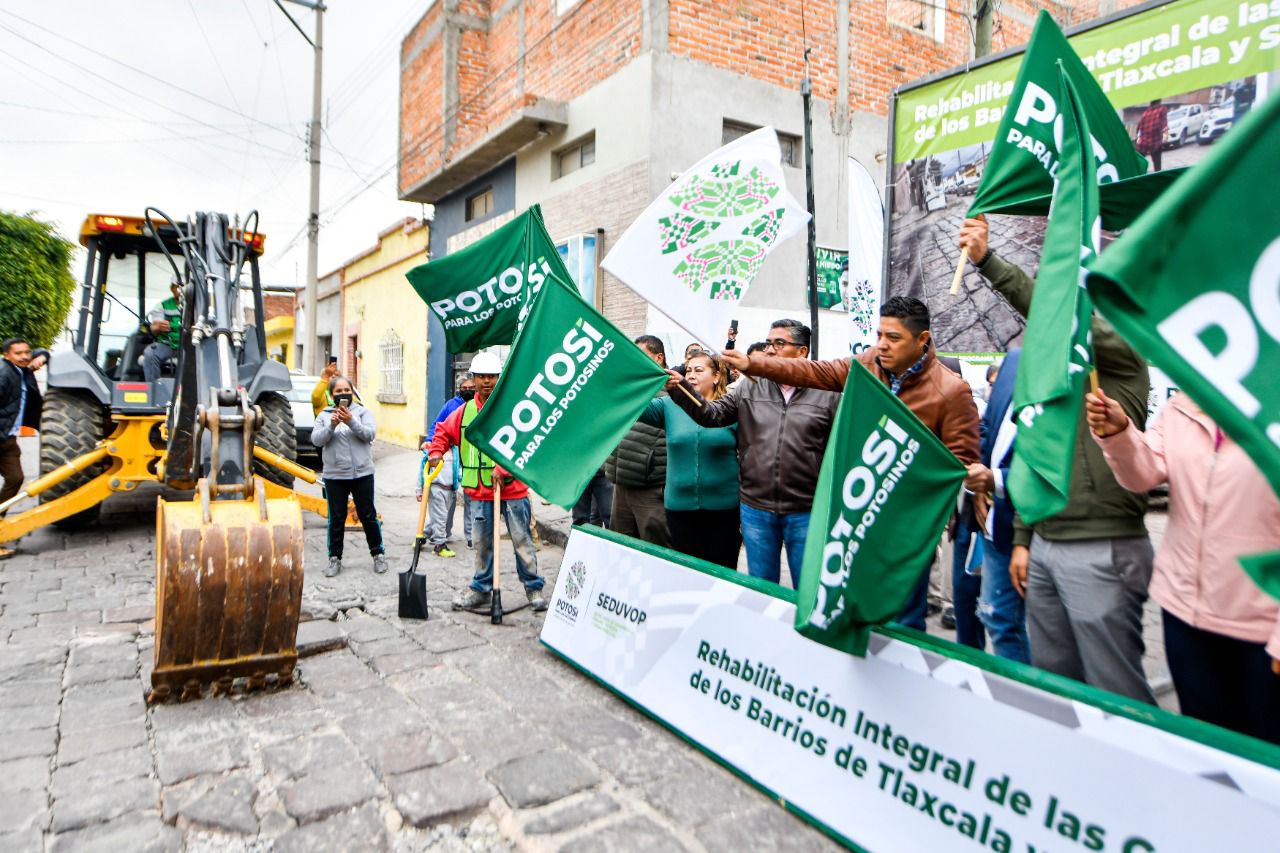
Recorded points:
(453,734)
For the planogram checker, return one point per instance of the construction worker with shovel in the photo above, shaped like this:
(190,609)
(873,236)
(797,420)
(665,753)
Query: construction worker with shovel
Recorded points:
(479,477)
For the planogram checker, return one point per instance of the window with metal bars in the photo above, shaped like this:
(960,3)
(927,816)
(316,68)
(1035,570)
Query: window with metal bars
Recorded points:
(391,351)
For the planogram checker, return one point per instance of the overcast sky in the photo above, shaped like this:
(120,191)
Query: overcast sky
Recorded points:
(94,116)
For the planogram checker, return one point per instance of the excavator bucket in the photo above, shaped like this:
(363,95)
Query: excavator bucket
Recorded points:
(228,594)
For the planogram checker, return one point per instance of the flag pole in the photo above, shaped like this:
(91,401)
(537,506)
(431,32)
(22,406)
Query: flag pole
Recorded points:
(688,394)
(495,604)
(959,276)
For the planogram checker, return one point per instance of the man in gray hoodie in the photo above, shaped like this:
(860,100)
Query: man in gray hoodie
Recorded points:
(344,433)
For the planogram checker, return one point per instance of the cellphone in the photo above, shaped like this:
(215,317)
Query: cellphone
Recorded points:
(733,325)
(343,400)
(333,359)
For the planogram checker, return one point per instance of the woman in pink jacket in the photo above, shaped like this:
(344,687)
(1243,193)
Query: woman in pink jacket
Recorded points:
(1221,632)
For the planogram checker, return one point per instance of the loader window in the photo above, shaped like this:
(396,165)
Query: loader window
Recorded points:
(121,337)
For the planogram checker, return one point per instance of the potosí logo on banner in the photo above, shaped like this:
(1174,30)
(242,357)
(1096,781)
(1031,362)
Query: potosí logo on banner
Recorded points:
(886,488)
(1025,156)
(571,388)
(1194,285)
(1058,354)
(479,293)
(695,250)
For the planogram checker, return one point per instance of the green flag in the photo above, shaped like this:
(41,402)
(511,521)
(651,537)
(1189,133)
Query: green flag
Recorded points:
(1058,353)
(885,490)
(478,292)
(571,388)
(1024,158)
(1194,285)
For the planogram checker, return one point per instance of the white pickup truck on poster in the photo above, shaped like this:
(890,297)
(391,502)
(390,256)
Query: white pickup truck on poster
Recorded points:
(908,748)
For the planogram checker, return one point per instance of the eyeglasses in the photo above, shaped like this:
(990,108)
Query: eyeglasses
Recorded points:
(779,343)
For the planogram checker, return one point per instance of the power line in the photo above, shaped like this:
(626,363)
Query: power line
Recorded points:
(230,129)
(77,90)
(134,93)
(149,75)
(253,22)
(217,63)
(284,90)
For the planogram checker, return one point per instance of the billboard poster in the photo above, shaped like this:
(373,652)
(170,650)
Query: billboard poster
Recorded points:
(833,271)
(1207,62)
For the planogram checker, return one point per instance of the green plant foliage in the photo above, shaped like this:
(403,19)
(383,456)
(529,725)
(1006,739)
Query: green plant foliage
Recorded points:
(36,283)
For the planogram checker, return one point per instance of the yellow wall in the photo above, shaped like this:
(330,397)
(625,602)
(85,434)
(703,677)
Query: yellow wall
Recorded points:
(280,337)
(377,300)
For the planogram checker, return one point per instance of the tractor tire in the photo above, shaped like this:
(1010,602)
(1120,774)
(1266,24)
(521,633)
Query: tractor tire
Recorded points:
(71,425)
(277,435)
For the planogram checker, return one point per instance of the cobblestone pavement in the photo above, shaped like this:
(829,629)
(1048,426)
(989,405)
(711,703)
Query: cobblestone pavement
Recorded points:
(451,734)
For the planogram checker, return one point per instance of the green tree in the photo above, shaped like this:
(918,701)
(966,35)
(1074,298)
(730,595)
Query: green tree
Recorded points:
(36,283)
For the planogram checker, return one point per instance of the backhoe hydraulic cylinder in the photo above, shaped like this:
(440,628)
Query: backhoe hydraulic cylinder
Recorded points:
(57,475)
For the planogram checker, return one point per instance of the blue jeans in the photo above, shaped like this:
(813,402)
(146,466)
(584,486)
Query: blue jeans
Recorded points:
(153,359)
(516,515)
(765,534)
(1000,608)
(916,610)
(966,585)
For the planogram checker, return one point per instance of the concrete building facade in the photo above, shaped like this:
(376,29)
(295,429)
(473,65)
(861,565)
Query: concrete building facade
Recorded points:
(328,318)
(382,328)
(592,107)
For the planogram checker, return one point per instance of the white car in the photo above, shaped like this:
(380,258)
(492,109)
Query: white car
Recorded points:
(1218,123)
(303,418)
(1184,125)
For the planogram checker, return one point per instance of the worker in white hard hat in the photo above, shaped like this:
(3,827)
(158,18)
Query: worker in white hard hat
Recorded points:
(478,472)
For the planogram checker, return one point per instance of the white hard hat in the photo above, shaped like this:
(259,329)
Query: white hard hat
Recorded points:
(486,363)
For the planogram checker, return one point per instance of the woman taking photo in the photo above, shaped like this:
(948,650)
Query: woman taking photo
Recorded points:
(1221,633)
(344,433)
(701,496)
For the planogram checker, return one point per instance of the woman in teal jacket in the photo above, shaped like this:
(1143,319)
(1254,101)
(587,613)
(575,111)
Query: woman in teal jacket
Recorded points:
(702,470)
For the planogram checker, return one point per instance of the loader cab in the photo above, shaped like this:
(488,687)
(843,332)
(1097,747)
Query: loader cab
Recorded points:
(127,277)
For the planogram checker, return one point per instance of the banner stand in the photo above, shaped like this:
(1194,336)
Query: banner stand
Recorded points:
(1243,773)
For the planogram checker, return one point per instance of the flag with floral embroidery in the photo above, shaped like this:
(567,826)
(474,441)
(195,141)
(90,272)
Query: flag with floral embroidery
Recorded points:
(696,249)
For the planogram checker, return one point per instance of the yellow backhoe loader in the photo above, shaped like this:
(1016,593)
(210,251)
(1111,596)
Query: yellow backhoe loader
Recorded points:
(208,415)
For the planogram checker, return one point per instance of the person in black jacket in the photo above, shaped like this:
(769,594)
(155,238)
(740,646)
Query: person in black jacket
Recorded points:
(16,400)
(638,471)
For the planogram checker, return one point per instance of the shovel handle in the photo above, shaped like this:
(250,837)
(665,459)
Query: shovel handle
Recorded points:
(426,494)
(497,541)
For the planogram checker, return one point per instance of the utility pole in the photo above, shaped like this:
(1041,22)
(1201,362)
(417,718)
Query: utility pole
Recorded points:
(311,362)
(806,94)
(982,20)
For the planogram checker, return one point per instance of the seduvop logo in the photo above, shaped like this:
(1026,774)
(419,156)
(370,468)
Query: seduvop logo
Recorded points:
(575,581)
(625,612)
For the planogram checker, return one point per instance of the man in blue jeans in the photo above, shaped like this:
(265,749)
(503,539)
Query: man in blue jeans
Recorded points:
(782,434)
(903,359)
(479,477)
(1000,605)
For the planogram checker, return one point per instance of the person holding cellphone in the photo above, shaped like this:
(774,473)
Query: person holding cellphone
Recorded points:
(344,432)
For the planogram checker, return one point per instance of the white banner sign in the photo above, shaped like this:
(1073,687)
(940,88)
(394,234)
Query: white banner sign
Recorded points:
(866,258)
(906,749)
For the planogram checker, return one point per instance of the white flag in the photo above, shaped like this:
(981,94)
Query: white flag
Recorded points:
(696,249)
(866,258)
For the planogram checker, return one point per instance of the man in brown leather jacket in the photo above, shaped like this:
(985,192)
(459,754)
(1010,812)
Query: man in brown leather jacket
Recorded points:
(782,434)
(903,359)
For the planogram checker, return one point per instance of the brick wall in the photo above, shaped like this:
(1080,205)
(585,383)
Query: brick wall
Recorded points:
(469,65)
(277,305)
